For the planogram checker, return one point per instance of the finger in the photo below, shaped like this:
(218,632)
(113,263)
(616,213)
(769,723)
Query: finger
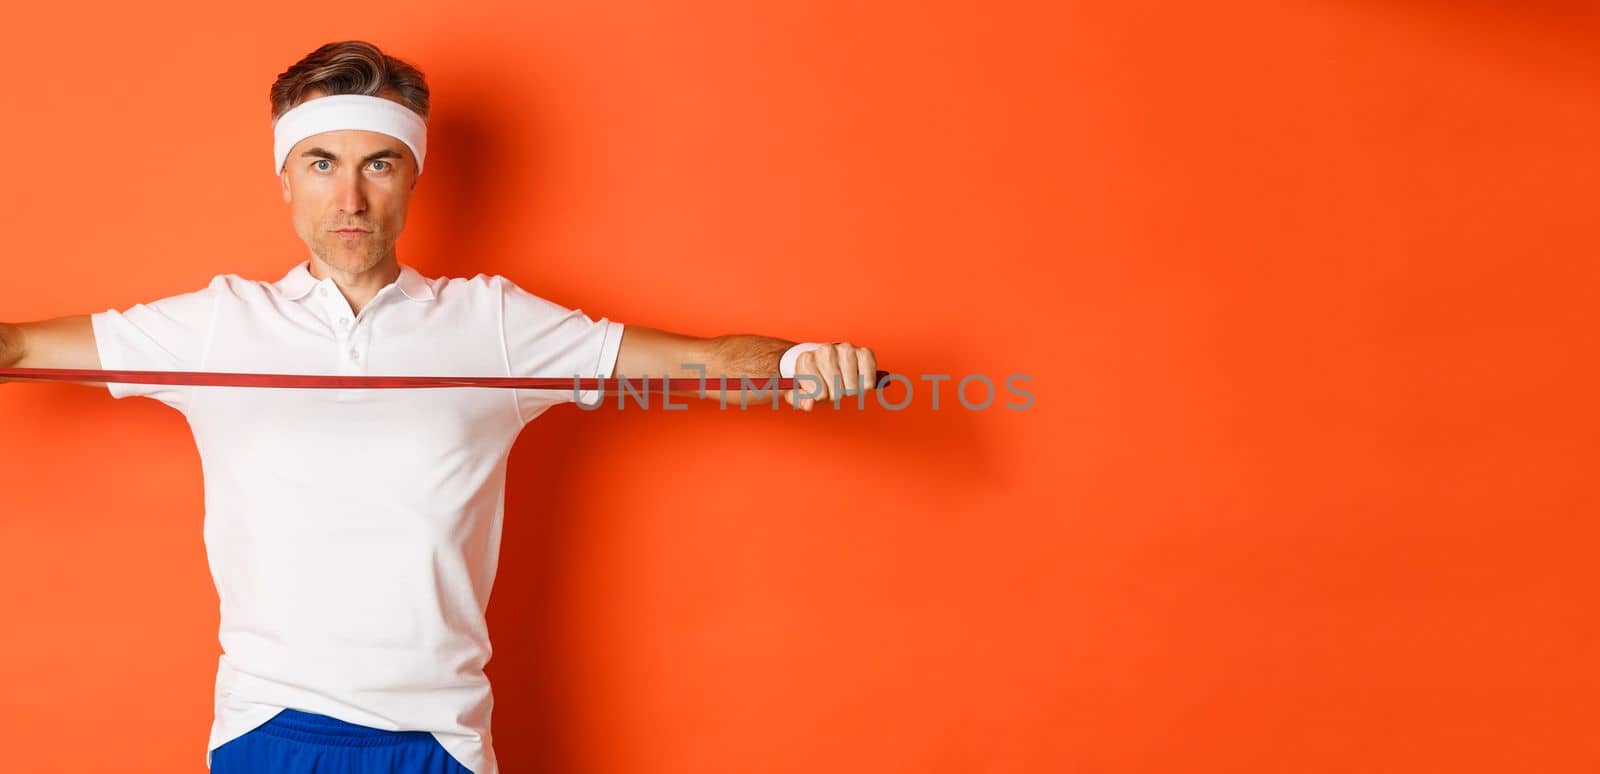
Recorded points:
(807,388)
(807,364)
(868,367)
(827,358)
(849,367)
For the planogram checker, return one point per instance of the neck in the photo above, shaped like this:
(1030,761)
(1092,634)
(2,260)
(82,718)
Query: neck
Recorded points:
(359,286)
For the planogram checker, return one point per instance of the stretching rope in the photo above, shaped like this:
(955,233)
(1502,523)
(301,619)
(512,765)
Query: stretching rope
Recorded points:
(319,381)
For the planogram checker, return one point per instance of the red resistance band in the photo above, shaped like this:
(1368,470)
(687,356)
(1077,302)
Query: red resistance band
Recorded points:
(318,381)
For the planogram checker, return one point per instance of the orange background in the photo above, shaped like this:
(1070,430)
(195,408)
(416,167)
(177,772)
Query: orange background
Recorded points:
(1305,289)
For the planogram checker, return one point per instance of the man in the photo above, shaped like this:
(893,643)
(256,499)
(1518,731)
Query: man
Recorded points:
(353,534)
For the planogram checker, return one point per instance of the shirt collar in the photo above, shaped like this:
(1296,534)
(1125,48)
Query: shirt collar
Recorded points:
(299,281)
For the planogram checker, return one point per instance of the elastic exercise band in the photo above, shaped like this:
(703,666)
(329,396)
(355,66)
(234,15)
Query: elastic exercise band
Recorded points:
(319,381)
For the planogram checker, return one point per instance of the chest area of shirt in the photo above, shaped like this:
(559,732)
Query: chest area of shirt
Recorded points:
(400,338)
(396,337)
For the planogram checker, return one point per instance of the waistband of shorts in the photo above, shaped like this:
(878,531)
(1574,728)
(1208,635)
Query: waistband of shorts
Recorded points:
(312,728)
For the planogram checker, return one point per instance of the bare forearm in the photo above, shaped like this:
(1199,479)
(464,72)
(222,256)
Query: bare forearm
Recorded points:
(728,362)
(745,355)
(12,345)
(731,358)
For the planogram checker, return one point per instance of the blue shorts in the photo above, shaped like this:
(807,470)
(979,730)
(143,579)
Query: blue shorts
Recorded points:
(298,742)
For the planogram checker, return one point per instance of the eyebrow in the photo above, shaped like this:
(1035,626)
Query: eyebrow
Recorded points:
(323,153)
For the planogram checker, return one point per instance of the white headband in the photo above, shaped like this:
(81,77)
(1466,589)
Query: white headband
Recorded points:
(348,111)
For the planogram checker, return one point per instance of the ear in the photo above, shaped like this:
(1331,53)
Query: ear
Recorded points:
(283,178)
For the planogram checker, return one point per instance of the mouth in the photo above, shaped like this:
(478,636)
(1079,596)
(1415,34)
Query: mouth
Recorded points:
(351,233)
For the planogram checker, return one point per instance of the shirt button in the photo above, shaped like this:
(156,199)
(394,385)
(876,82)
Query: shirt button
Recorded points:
(323,291)
(344,321)
(354,355)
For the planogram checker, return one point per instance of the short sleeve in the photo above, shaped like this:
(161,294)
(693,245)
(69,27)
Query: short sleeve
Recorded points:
(545,339)
(167,334)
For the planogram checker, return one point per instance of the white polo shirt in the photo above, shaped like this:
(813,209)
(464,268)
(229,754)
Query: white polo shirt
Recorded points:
(353,534)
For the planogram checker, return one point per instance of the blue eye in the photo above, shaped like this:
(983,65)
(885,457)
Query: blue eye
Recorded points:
(321,161)
(380,161)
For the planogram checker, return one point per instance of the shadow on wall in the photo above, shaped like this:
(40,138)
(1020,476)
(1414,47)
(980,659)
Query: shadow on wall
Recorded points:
(538,686)
(537,680)
(466,155)
(1544,36)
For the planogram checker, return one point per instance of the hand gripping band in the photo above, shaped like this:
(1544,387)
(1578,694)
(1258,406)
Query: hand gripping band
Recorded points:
(348,111)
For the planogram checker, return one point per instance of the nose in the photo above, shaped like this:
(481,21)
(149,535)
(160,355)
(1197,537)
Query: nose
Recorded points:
(350,194)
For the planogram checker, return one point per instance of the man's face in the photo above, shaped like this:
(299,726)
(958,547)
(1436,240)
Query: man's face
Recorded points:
(347,193)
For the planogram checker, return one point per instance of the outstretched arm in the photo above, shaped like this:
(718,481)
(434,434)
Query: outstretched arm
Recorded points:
(12,345)
(655,353)
(59,342)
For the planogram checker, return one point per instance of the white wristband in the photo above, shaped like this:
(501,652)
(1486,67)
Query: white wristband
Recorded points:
(786,363)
